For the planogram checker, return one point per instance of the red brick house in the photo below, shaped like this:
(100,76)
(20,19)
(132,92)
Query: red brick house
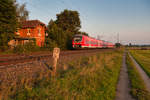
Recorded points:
(31,29)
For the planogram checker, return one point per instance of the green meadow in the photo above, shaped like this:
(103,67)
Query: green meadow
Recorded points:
(143,58)
(138,87)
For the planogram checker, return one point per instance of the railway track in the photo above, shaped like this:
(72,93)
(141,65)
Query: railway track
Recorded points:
(22,59)
(15,59)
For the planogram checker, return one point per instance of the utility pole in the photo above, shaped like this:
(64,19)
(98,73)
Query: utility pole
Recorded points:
(118,41)
(98,37)
(118,38)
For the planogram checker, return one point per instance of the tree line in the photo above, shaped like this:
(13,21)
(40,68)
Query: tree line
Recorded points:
(60,31)
(11,13)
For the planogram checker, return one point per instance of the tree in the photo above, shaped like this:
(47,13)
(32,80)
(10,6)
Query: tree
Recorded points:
(130,44)
(118,45)
(57,34)
(8,22)
(62,30)
(22,12)
(83,33)
(50,44)
(50,24)
(69,20)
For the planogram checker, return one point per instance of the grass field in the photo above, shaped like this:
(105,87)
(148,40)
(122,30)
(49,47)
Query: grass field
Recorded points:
(138,88)
(88,78)
(143,58)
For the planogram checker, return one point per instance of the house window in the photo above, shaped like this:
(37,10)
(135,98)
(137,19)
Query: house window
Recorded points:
(39,32)
(17,31)
(28,31)
(46,34)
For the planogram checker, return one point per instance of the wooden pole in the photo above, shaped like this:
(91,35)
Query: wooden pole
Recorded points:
(56,53)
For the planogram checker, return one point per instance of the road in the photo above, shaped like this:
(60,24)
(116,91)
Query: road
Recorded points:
(123,86)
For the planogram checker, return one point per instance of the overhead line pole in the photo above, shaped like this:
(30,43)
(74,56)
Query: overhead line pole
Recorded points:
(118,38)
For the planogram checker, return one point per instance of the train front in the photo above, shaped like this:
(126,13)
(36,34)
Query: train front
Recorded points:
(77,41)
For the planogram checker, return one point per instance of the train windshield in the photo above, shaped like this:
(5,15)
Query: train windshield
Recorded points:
(77,39)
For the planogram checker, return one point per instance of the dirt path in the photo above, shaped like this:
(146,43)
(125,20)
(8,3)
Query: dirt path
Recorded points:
(142,73)
(123,84)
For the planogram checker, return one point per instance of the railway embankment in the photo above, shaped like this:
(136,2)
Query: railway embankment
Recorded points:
(81,76)
(25,58)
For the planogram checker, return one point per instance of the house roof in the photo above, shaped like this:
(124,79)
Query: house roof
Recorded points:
(31,24)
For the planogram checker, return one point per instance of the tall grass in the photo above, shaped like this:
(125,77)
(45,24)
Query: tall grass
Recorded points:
(89,78)
(138,87)
(143,58)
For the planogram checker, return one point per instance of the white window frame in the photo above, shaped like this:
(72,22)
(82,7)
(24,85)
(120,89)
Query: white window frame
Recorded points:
(28,31)
(39,32)
(17,31)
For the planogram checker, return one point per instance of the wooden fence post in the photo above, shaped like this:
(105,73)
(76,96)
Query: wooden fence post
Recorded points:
(56,53)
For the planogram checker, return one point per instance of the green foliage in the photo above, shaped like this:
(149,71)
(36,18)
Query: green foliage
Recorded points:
(84,33)
(50,44)
(68,20)
(62,30)
(143,58)
(57,35)
(138,88)
(26,48)
(118,45)
(8,22)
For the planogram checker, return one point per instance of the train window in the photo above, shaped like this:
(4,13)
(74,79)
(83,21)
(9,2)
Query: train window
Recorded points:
(78,39)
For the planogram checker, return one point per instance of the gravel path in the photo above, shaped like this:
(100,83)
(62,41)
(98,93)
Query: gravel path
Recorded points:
(123,87)
(142,73)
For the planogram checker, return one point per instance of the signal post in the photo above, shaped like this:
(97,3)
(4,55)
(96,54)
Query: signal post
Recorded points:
(56,52)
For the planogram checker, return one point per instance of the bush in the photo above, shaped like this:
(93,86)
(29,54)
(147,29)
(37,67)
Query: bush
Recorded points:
(50,44)
(26,48)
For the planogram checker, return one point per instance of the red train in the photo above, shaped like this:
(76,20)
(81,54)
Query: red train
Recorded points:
(83,41)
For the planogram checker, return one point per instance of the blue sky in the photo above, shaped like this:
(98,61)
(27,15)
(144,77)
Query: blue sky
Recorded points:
(106,18)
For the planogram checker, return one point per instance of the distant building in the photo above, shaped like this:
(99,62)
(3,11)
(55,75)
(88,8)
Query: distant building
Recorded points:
(31,30)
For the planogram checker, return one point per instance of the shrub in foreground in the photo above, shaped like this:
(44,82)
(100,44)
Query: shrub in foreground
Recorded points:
(28,47)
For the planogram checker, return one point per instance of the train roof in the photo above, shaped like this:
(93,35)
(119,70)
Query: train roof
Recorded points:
(78,35)
(84,35)
(92,38)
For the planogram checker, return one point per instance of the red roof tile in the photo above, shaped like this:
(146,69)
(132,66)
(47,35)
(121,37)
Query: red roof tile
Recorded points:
(31,24)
